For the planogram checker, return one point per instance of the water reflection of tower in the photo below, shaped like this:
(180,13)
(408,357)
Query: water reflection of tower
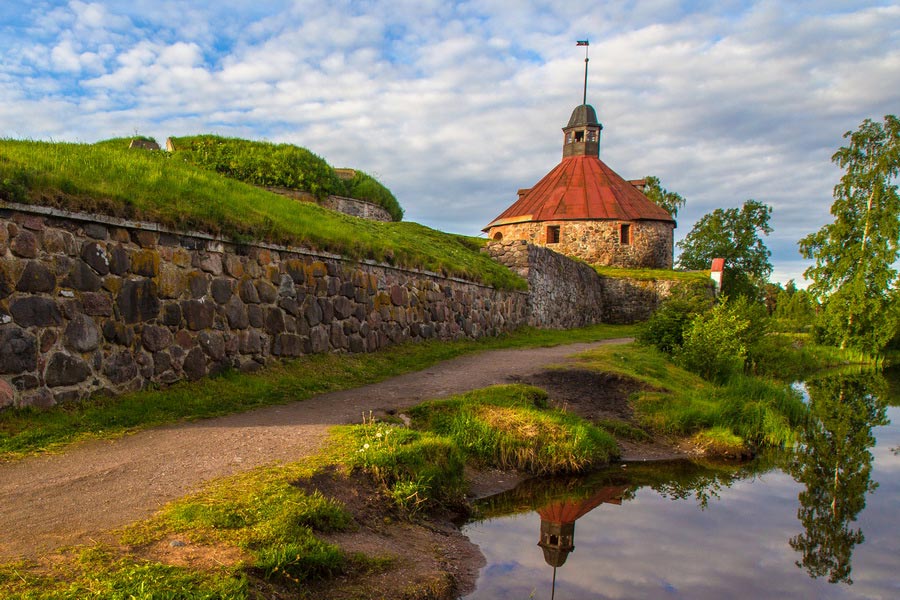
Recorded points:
(558,524)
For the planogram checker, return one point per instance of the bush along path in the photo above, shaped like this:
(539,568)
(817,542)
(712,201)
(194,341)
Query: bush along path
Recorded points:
(91,488)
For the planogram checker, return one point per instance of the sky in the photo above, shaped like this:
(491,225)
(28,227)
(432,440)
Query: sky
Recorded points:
(456,105)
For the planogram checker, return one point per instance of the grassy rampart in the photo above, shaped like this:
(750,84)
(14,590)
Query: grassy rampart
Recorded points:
(154,186)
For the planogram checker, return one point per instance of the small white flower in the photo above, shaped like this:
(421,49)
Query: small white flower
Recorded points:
(365,446)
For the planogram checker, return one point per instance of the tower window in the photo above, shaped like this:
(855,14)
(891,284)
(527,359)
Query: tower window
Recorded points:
(552,234)
(625,234)
(498,236)
(579,136)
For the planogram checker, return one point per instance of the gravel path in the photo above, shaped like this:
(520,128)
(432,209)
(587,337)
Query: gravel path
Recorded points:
(80,495)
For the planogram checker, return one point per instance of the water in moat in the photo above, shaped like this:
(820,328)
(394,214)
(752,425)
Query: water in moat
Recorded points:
(820,522)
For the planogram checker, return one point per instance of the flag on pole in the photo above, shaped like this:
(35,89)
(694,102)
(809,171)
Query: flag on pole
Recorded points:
(583,43)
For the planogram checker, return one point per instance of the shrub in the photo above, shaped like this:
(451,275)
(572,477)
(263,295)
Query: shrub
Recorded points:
(719,343)
(365,187)
(261,163)
(665,328)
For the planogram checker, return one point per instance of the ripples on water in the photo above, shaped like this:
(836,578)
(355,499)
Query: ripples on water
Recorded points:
(817,523)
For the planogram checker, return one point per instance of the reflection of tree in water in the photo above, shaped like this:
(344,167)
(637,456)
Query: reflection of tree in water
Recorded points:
(704,481)
(835,466)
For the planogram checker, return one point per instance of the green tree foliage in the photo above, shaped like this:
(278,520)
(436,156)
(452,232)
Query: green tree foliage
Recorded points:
(794,309)
(732,234)
(665,327)
(834,464)
(713,340)
(661,196)
(853,275)
(719,343)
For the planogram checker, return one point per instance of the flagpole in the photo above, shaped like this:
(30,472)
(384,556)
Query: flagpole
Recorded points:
(586,45)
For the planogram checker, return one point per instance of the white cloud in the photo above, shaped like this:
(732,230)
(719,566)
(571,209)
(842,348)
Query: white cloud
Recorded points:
(65,58)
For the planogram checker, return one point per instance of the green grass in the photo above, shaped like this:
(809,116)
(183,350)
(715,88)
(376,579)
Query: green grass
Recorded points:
(281,165)
(758,411)
(99,573)
(511,427)
(419,469)
(264,514)
(623,429)
(720,441)
(156,187)
(652,274)
(26,431)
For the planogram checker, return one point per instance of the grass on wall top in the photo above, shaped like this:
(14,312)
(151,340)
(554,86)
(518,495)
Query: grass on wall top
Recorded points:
(153,186)
(651,274)
(281,165)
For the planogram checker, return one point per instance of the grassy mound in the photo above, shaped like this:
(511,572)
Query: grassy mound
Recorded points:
(154,186)
(281,165)
(511,427)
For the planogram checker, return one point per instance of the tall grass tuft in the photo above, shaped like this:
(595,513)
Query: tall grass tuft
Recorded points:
(511,427)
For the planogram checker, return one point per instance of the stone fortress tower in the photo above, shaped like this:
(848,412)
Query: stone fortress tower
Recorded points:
(583,209)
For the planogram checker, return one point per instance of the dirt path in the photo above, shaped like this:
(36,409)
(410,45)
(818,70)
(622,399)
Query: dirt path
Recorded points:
(75,497)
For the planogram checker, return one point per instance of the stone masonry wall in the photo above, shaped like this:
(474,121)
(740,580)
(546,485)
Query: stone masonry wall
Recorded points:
(632,300)
(356,208)
(91,304)
(348,206)
(566,293)
(598,242)
(562,293)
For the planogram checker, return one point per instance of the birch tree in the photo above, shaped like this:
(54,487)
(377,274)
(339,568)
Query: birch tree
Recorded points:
(853,274)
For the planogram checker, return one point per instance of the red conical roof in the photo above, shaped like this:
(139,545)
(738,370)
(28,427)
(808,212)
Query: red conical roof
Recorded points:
(582,187)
